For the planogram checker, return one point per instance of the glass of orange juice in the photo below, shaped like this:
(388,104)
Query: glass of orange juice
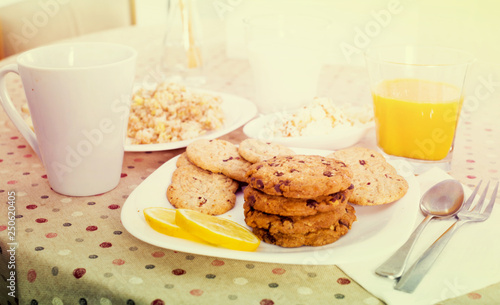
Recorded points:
(417,96)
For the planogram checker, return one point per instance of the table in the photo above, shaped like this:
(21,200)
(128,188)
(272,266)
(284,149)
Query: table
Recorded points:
(74,250)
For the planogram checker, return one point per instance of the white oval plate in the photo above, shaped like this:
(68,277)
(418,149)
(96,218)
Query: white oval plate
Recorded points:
(340,137)
(376,231)
(237,111)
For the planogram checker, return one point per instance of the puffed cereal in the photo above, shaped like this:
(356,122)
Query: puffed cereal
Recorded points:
(172,113)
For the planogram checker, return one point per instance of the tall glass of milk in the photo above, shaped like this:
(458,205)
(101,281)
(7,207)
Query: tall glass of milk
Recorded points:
(286,53)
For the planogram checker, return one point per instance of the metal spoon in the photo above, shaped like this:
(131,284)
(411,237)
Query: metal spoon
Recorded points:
(443,200)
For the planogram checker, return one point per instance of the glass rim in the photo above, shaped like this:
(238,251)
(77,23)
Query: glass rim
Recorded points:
(253,20)
(371,54)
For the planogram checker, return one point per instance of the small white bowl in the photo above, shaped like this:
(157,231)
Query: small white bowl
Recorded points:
(341,136)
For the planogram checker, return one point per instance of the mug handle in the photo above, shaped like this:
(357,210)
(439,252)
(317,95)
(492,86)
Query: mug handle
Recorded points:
(11,111)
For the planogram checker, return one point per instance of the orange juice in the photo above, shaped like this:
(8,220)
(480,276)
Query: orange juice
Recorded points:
(416,118)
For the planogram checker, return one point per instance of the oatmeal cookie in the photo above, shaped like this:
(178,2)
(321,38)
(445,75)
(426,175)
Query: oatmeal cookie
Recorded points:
(183,160)
(283,206)
(254,150)
(218,156)
(375,181)
(292,224)
(197,189)
(317,238)
(299,176)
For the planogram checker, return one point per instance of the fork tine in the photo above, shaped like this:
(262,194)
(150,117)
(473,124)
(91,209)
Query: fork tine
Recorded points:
(489,207)
(469,201)
(479,205)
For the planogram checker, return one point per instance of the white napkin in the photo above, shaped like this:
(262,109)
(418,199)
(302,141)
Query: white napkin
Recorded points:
(470,261)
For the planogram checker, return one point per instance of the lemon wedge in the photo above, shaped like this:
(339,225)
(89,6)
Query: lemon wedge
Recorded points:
(216,230)
(162,220)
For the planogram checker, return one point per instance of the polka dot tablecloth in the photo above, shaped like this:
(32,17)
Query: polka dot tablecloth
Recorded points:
(74,250)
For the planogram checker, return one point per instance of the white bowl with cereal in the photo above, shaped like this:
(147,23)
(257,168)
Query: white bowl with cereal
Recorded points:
(321,124)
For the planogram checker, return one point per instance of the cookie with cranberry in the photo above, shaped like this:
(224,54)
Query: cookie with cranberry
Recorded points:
(284,206)
(254,150)
(375,181)
(292,224)
(201,190)
(218,156)
(299,176)
(182,160)
(317,238)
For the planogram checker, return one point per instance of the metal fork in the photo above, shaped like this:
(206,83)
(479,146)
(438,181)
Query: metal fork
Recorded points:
(413,276)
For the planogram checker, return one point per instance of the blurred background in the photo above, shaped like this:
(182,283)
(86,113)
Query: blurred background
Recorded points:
(357,24)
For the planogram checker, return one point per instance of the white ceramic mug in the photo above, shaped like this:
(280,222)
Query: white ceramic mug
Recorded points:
(79,99)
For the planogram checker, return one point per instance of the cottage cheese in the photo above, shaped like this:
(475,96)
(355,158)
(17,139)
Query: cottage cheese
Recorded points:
(320,117)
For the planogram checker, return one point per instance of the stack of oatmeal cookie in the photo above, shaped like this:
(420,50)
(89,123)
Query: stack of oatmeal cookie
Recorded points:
(290,200)
(299,200)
